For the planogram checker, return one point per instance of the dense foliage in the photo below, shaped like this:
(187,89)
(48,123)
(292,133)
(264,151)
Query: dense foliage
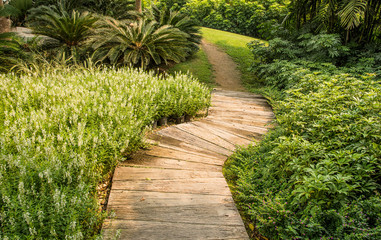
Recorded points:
(355,20)
(61,131)
(317,174)
(258,18)
(77,30)
(319,53)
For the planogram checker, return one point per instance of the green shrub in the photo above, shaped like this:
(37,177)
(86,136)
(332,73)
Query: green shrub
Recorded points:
(62,131)
(317,175)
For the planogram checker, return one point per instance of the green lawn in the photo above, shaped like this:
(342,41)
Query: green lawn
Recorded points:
(198,66)
(236,46)
(233,44)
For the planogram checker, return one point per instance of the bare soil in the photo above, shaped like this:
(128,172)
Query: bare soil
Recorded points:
(226,73)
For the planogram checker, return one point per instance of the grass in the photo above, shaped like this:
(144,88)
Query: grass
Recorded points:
(235,46)
(197,65)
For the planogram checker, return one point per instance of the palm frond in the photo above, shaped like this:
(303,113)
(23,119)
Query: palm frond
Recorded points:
(352,12)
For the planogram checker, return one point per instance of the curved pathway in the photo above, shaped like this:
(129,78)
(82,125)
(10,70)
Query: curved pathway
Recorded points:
(176,190)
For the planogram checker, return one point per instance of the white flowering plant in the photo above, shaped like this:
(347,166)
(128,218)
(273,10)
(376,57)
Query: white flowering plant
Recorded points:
(61,132)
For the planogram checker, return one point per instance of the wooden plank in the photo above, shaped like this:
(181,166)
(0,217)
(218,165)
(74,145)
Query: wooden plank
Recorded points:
(158,151)
(189,138)
(228,127)
(253,129)
(166,163)
(224,214)
(240,105)
(131,173)
(173,143)
(148,230)
(244,120)
(164,199)
(207,135)
(235,103)
(247,111)
(244,101)
(165,207)
(253,114)
(226,135)
(215,186)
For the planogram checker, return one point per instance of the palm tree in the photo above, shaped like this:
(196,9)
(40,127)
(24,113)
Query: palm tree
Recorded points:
(70,30)
(139,44)
(138,5)
(4,21)
(356,20)
(177,20)
(21,8)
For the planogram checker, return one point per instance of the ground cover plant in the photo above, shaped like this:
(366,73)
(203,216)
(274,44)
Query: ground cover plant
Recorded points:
(63,130)
(317,174)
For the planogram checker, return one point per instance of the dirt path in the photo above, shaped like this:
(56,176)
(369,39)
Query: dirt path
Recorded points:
(227,76)
(176,189)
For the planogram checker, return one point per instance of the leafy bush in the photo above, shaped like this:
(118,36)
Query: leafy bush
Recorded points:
(319,48)
(317,175)
(62,131)
(278,60)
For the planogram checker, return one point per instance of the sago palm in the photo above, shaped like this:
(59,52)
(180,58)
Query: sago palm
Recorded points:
(139,44)
(178,20)
(70,29)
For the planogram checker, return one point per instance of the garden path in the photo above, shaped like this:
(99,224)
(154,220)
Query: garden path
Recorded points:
(176,189)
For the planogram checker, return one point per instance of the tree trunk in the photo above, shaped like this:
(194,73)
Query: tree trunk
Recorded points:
(138,5)
(5,23)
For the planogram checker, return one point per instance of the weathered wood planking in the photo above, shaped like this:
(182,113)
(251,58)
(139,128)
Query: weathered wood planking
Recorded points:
(175,189)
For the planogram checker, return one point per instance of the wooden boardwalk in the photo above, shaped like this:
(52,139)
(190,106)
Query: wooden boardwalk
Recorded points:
(176,190)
